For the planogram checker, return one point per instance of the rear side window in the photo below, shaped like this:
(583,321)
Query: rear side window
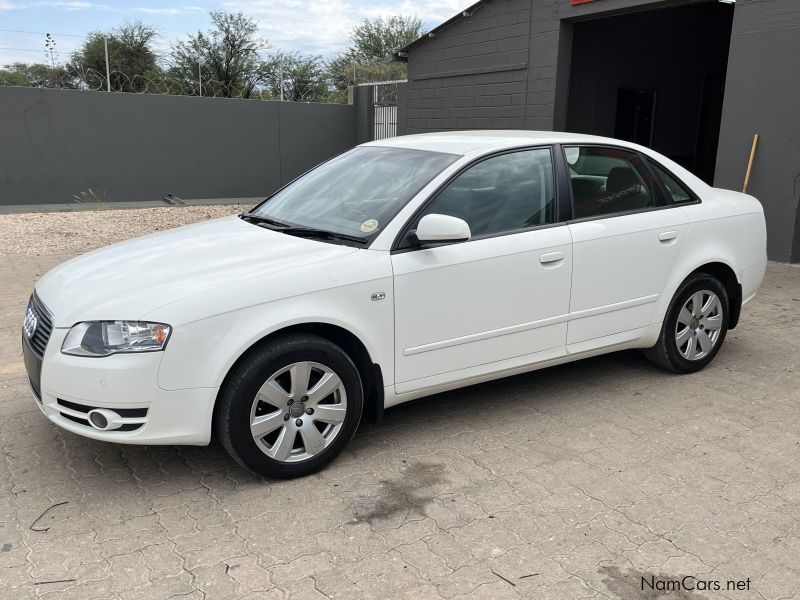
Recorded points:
(677,192)
(607,181)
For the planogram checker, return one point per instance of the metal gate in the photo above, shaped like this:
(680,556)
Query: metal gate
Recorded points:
(384,102)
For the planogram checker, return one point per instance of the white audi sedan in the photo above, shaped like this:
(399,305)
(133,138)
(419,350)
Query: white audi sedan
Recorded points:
(398,269)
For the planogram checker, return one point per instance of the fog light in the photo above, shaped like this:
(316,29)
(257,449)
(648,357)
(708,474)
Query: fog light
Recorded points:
(98,420)
(104,419)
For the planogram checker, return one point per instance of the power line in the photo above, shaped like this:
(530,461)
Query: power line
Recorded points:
(41,33)
(21,50)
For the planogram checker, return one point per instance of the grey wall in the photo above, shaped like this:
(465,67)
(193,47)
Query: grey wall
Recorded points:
(508,65)
(473,75)
(498,67)
(762,95)
(130,147)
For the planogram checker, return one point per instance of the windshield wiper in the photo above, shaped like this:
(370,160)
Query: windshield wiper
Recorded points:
(254,218)
(311,232)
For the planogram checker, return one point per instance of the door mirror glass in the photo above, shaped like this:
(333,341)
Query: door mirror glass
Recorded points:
(436,228)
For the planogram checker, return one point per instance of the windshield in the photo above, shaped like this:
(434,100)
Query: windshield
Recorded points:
(358,192)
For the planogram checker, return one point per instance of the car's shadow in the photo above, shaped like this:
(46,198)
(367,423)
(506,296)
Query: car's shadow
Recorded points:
(549,389)
(537,383)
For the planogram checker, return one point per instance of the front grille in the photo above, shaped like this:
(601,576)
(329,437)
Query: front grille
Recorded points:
(79,413)
(44,326)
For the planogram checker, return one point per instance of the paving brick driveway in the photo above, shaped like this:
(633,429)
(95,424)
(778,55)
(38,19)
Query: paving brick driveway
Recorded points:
(573,482)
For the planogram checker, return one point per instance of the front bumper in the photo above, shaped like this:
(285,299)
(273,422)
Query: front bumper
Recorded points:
(127,384)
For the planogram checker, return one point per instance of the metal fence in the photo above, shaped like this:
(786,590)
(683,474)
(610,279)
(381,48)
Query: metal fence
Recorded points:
(384,100)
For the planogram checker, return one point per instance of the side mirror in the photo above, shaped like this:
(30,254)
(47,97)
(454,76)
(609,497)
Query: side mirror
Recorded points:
(442,228)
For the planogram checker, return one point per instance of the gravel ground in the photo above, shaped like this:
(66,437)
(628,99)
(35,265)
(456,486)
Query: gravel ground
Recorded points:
(35,234)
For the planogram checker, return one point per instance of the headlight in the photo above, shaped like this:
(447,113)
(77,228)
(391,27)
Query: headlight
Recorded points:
(103,338)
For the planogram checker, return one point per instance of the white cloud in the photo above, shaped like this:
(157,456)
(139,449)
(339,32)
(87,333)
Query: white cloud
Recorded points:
(323,26)
(74,5)
(67,5)
(179,10)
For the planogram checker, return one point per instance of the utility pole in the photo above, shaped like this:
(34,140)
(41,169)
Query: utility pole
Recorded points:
(281,83)
(108,71)
(200,76)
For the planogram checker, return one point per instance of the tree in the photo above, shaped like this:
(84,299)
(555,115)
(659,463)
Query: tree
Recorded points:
(379,38)
(36,75)
(132,61)
(227,56)
(372,43)
(294,77)
(10,76)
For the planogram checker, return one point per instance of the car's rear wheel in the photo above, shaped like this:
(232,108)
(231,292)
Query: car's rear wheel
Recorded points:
(290,406)
(695,326)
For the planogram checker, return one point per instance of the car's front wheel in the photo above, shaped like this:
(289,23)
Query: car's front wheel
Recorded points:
(694,327)
(290,406)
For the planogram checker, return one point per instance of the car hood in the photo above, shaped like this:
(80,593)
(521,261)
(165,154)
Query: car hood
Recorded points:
(132,278)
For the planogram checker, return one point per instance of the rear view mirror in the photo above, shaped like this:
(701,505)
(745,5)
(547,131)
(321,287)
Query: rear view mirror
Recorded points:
(442,228)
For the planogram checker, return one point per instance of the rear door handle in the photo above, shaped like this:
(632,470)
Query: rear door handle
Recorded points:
(551,257)
(667,236)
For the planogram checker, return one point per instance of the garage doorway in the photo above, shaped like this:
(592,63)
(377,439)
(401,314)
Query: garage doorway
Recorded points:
(655,77)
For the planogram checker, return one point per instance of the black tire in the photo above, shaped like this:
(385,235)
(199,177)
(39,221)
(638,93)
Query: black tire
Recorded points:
(666,353)
(233,409)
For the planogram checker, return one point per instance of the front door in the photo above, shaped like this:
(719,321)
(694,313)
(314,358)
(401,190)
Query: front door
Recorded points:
(497,301)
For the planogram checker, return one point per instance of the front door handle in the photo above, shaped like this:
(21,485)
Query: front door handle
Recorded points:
(667,236)
(551,257)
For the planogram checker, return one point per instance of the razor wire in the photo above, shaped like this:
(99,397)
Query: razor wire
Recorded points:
(117,81)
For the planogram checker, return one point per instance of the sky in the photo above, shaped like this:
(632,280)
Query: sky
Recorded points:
(307,26)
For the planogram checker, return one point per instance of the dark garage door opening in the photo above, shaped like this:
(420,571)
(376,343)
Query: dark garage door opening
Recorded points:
(655,77)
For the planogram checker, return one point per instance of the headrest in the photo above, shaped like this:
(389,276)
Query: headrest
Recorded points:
(621,178)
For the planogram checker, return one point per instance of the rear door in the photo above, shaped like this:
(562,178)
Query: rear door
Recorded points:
(626,236)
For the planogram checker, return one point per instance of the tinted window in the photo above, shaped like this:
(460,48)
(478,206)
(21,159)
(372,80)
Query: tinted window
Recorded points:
(503,193)
(358,192)
(676,191)
(608,180)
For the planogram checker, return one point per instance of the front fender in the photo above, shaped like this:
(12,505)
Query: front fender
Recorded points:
(202,352)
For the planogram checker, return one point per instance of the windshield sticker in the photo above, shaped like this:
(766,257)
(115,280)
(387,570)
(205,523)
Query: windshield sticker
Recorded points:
(369,226)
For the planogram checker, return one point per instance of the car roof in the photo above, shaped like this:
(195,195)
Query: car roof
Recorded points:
(463,142)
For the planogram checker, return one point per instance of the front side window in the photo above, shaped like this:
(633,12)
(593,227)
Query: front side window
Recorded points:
(500,194)
(608,181)
(358,192)
(676,191)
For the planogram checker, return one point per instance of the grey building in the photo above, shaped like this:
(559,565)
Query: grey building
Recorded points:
(693,79)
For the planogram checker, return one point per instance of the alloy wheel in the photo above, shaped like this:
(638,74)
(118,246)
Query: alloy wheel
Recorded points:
(298,411)
(699,324)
